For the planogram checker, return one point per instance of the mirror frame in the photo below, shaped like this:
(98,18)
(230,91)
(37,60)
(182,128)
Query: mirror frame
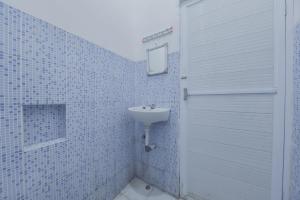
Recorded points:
(165,70)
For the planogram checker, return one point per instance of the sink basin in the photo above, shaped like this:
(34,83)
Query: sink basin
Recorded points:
(148,115)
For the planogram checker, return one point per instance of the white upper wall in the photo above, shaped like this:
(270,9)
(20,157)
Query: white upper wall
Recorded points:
(117,25)
(153,16)
(108,23)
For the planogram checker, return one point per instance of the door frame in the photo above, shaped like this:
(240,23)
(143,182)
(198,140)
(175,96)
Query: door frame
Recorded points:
(282,110)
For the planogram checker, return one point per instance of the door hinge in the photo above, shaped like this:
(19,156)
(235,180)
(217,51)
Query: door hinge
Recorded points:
(185,94)
(183,77)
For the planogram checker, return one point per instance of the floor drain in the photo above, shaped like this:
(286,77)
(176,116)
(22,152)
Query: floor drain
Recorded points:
(148,187)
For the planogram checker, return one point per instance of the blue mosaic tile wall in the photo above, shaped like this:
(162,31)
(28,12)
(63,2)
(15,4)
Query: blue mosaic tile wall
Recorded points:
(43,123)
(159,167)
(41,64)
(11,172)
(295,185)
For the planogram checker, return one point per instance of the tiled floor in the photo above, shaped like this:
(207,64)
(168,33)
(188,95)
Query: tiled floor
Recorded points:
(135,190)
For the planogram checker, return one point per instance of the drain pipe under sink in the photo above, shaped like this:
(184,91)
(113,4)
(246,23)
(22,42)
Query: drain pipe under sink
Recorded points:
(148,147)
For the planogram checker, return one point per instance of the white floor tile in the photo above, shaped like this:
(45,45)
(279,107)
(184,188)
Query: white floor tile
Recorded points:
(156,194)
(135,190)
(121,197)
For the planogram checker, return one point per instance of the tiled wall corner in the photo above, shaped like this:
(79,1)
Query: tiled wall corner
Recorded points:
(41,64)
(161,166)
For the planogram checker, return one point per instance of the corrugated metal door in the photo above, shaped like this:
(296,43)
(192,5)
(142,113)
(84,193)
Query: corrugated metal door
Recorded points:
(231,93)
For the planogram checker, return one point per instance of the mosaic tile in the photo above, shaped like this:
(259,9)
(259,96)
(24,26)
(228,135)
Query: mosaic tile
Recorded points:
(161,166)
(295,182)
(42,65)
(10,53)
(43,123)
(11,178)
(96,160)
(43,62)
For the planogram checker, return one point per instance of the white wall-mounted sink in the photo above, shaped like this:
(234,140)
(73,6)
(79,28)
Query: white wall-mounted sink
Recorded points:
(148,115)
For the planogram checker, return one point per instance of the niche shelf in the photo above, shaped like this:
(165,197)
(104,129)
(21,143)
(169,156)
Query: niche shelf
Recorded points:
(43,125)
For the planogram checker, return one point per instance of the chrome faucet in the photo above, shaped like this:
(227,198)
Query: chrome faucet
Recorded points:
(152,106)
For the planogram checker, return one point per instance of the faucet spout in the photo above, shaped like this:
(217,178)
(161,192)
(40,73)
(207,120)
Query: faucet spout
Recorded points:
(152,106)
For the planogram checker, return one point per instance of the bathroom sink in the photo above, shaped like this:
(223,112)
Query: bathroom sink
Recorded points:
(149,115)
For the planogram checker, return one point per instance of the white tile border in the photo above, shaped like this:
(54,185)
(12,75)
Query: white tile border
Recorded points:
(43,144)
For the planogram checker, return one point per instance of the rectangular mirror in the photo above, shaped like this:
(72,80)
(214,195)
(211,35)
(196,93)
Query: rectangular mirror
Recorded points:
(157,59)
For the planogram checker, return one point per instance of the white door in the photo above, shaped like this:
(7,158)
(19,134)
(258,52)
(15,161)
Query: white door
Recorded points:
(233,82)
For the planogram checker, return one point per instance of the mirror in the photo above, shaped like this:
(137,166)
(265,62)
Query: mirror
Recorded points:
(157,59)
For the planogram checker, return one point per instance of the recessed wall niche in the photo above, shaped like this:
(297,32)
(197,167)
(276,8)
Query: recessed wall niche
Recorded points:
(43,125)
